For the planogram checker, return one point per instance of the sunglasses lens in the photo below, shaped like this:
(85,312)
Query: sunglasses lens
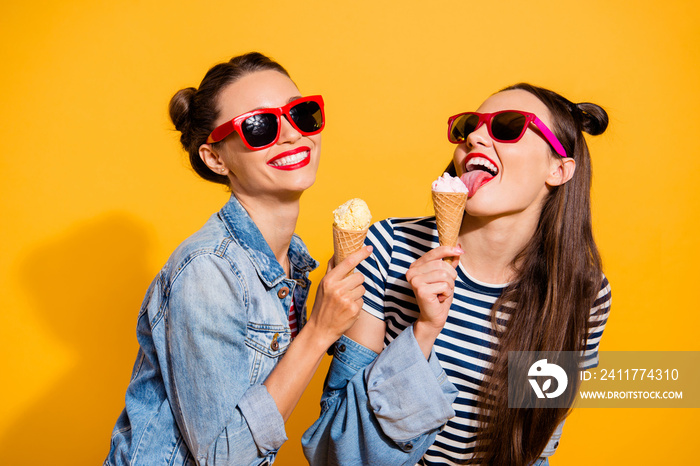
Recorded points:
(307,116)
(260,130)
(462,127)
(508,126)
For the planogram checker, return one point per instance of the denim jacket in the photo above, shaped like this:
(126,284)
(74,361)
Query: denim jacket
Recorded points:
(381,409)
(213,325)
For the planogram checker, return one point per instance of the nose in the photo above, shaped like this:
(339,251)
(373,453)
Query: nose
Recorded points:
(288,133)
(479,137)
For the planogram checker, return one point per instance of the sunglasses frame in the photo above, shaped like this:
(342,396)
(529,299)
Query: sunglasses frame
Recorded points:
(222,131)
(488,118)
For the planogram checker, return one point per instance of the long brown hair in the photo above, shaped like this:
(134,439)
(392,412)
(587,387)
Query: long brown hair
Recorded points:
(194,111)
(558,276)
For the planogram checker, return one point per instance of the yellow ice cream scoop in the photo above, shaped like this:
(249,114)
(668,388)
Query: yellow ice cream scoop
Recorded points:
(353,215)
(350,224)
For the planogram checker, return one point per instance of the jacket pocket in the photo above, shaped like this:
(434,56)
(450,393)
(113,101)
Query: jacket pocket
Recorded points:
(269,342)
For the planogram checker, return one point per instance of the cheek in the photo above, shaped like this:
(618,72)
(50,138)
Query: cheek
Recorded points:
(529,180)
(530,163)
(458,159)
(315,150)
(232,160)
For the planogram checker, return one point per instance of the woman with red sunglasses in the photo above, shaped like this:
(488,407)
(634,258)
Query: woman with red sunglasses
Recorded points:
(225,348)
(422,377)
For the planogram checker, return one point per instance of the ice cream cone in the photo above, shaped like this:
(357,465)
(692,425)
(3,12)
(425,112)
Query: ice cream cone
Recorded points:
(449,209)
(345,242)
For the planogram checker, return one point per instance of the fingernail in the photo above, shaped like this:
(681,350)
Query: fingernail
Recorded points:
(459,251)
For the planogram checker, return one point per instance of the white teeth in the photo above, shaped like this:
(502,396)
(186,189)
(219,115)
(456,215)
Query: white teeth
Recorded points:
(290,159)
(484,163)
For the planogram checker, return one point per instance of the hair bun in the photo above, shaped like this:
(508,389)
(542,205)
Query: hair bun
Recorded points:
(179,109)
(594,119)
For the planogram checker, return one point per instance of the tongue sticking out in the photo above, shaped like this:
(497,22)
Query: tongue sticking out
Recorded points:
(475,179)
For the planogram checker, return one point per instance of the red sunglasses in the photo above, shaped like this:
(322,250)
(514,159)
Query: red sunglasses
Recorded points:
(505,126)
(260,128)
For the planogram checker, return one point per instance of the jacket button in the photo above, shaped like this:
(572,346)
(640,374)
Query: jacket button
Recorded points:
(341,348)
(283,292)
(409,446)
(275,344)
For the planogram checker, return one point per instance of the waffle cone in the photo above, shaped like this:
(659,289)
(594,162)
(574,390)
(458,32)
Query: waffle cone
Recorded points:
(449,209)
(345,242)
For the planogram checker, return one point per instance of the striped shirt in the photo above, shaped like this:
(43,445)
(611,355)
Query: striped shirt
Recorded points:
(293,326)
(467,340)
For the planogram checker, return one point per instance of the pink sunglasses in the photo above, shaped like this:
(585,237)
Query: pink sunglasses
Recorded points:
(505,126)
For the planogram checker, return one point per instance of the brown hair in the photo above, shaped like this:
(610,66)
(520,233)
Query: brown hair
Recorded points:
(558,276)
(194,111)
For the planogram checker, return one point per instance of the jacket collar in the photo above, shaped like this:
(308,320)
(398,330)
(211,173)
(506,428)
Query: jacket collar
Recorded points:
(248,236)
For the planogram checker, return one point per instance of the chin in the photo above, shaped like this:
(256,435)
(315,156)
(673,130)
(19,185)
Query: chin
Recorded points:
(301,184)
(482,206)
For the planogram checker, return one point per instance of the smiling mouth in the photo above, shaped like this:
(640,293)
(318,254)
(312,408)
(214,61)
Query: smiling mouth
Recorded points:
(478,171)
(297,159)
(481,163)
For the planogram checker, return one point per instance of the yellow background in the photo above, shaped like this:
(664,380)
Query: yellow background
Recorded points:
(96,193)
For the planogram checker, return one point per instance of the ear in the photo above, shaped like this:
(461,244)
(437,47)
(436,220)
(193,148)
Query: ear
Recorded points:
(561,171)
(213,159)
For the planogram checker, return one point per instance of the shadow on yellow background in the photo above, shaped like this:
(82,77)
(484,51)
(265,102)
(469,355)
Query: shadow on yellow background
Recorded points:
(85,287)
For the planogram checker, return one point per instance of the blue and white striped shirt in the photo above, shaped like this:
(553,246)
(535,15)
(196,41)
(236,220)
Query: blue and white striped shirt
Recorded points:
(467,340)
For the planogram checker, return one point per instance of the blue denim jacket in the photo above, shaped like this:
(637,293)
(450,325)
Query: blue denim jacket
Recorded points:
(381,409)
(213,325)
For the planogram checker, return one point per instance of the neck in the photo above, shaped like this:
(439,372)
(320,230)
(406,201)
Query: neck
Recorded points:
(491,244)
(276,219)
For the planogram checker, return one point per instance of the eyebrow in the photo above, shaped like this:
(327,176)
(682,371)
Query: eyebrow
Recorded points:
(289,101)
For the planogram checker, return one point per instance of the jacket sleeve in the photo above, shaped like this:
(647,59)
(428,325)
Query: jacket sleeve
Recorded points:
(379,410)
(224,419)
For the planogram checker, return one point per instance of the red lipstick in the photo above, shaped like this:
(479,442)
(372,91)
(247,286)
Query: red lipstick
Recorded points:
(295,165)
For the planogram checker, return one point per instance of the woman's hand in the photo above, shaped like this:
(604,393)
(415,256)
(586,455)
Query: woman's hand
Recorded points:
(339,298)
(433,283)
(338,303)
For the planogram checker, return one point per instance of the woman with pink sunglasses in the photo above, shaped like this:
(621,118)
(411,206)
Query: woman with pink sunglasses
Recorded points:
(210,384)
(422,377)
